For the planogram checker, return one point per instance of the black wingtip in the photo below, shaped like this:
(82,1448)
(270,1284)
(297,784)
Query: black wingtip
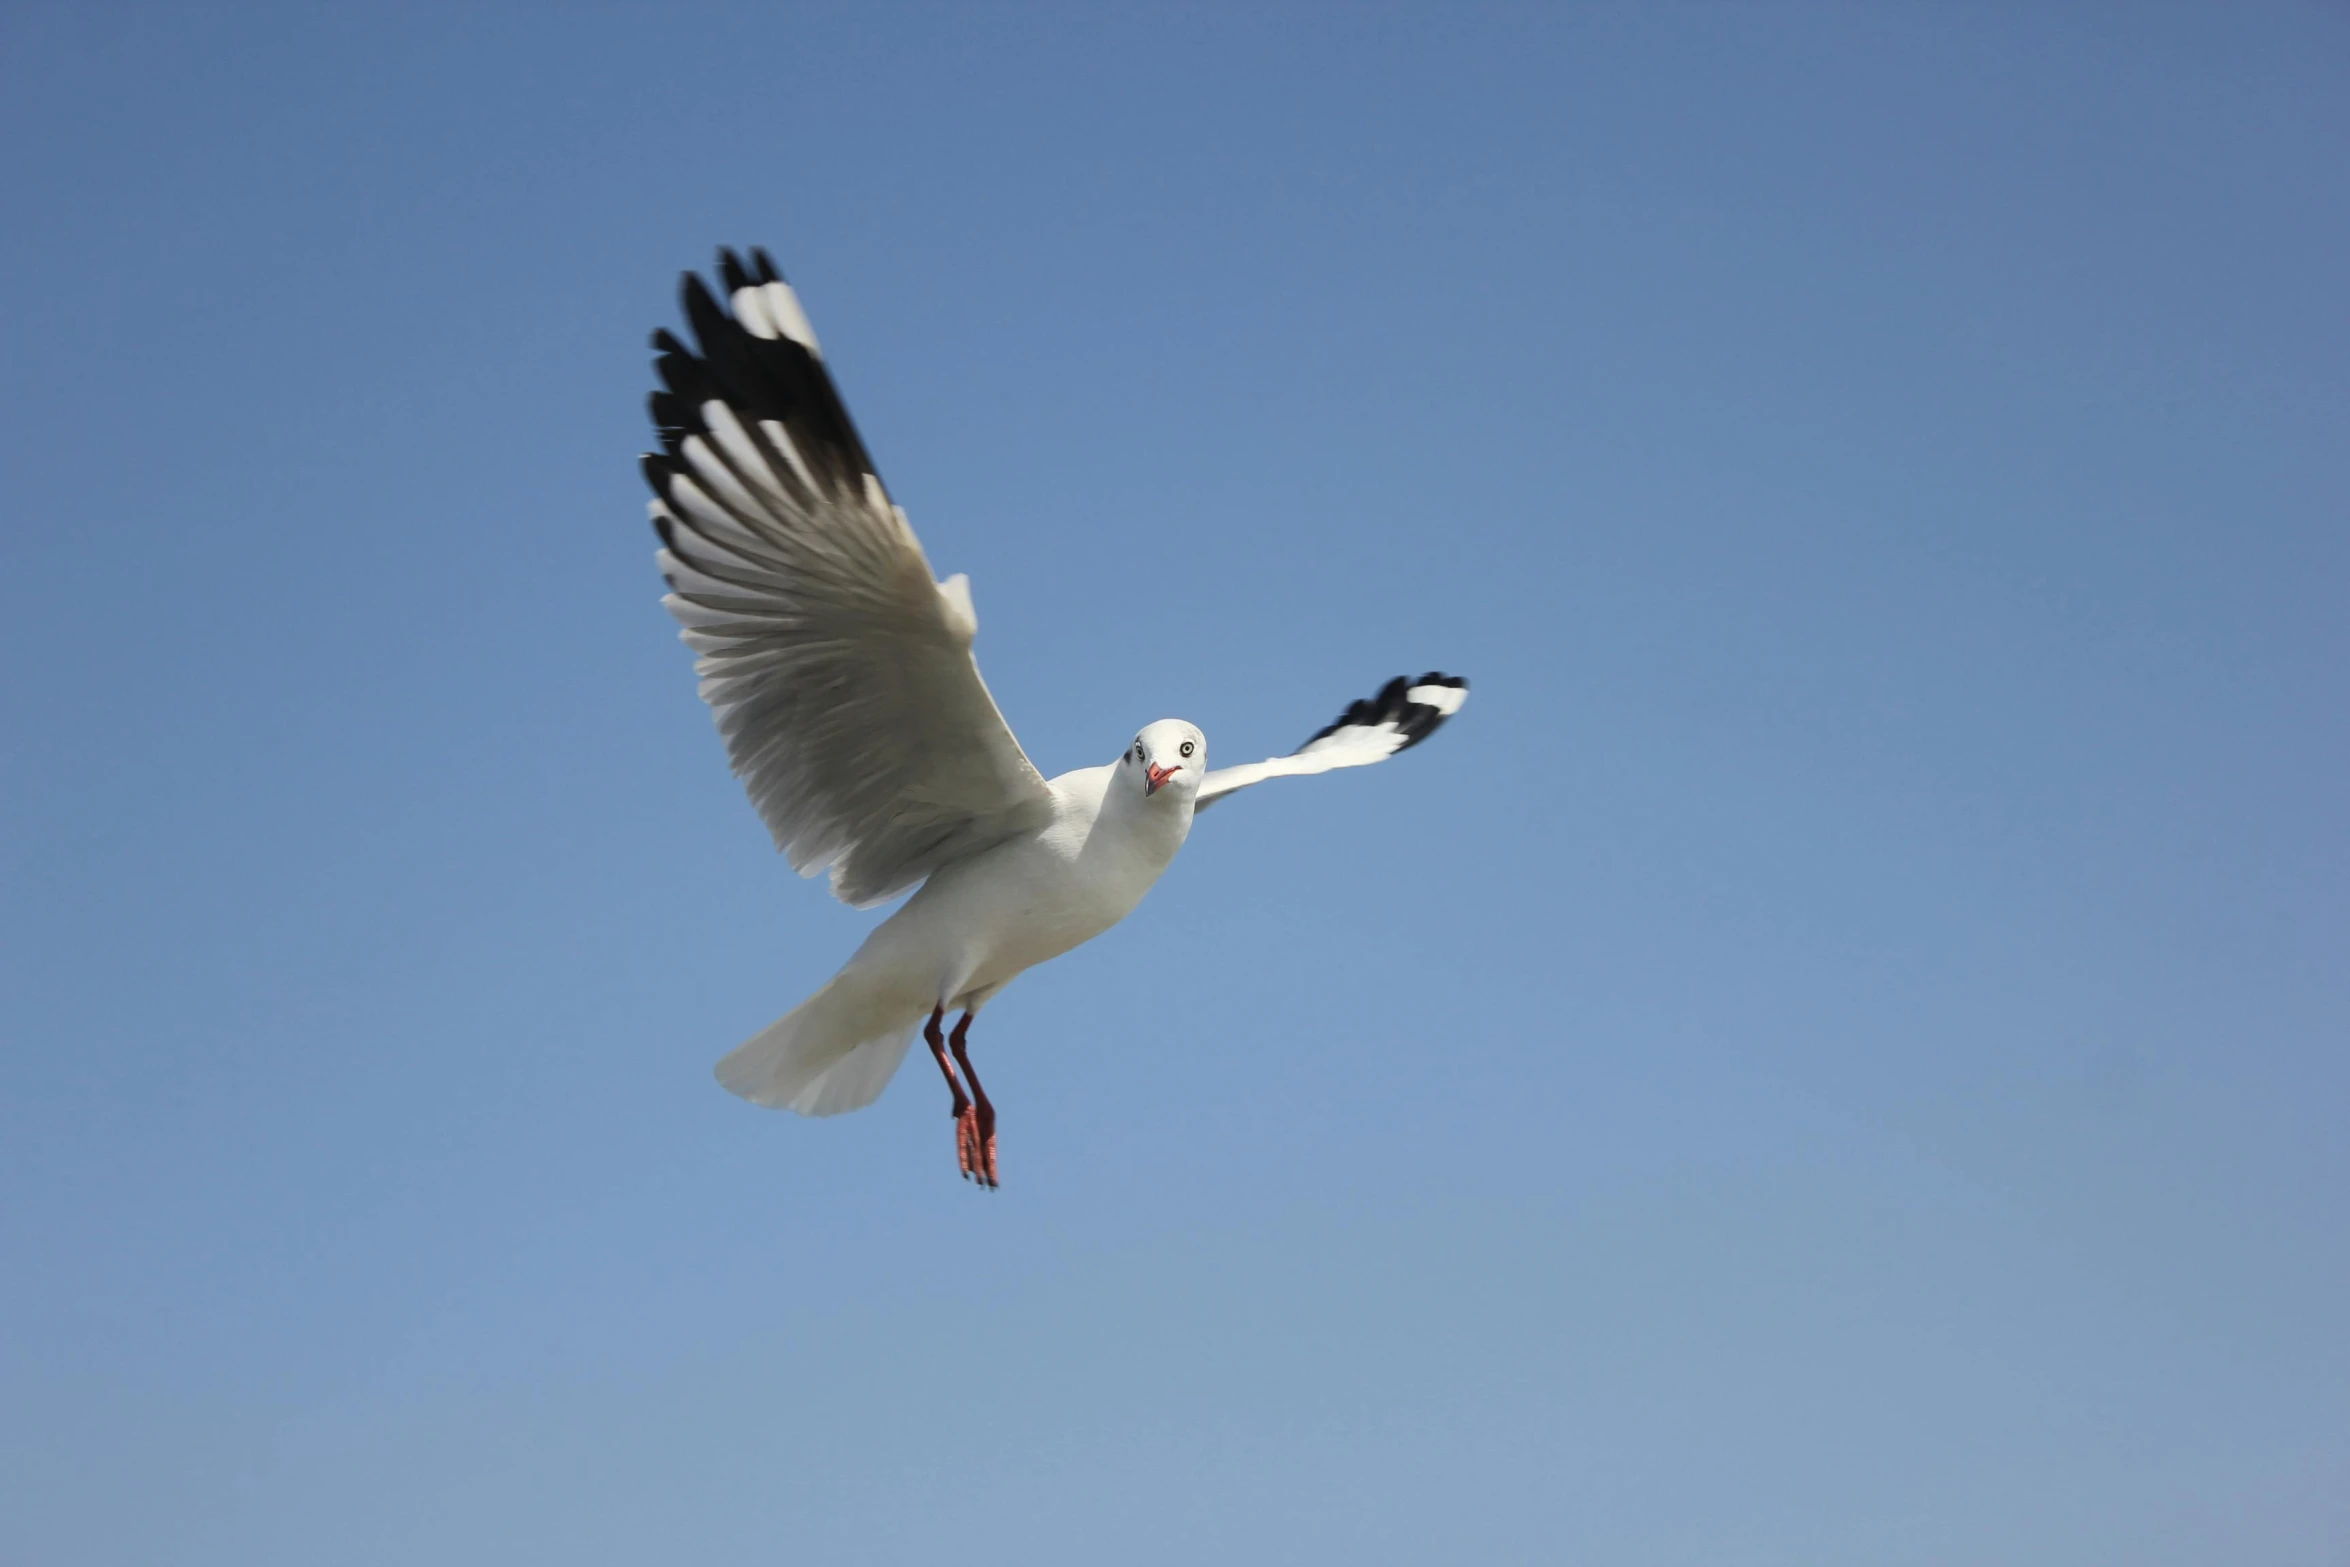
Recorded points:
(1393,704)
(758,375)
(1419,720)
(702,311)
(657,468)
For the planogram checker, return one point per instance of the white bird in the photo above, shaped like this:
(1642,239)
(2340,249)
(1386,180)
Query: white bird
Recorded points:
(842,679)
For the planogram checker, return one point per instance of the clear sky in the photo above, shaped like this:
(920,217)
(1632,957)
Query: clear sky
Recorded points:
(1840,1056)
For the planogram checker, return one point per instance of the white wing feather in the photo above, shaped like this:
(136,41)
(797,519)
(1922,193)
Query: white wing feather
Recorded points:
(838,671)
(1404,713)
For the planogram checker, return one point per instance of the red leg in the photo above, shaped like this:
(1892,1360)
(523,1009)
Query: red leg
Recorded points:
(966,1122)
(983,1113)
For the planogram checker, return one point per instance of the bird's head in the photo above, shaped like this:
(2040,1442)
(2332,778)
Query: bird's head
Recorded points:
(1166,761)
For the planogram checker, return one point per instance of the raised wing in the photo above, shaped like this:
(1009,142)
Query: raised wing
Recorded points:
(840,674)
(1404,713)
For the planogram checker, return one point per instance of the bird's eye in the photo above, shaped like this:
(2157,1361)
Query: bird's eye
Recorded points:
(1187,748)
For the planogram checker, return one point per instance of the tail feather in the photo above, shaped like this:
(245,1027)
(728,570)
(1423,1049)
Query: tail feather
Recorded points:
(835,1051)
(856,1079)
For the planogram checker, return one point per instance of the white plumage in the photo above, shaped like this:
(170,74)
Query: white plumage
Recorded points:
(840,674)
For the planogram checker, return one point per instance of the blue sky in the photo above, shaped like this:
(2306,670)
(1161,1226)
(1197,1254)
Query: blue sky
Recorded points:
(1837,1057)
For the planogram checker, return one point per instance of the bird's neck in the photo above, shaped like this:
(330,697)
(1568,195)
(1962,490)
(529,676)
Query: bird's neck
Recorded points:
(1145,829)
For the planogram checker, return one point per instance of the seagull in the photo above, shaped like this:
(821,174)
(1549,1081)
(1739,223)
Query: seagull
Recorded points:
(841,677)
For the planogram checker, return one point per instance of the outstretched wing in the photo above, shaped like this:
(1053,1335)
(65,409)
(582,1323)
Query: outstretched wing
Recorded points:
(840,674)
(1404,713)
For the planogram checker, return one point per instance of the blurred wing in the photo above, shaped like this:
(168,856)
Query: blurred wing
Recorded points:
(840,674)
(1404,713)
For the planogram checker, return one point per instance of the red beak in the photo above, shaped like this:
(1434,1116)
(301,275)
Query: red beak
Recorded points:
(1157,775)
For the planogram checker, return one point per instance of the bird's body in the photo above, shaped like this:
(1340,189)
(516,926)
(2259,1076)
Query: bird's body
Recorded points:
(842,678)
(971,929)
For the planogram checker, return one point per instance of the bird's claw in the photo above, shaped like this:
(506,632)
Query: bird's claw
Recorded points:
(975,1148)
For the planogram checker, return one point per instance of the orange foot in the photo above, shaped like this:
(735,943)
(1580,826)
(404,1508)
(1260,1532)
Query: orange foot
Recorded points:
(975,1146)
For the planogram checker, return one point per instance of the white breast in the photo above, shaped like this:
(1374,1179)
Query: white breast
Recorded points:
(981,921)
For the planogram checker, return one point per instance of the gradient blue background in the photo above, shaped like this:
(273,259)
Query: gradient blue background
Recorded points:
(1838,1057)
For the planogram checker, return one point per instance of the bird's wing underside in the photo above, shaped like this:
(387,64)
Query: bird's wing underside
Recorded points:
(839,672)
(1404,713)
